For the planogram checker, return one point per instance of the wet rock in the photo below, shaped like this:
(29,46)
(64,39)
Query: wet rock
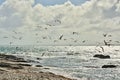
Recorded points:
(11,58)
(39,66)
(101,56)
(46,68)
(24,64)
(16,67)
(109,66)
(19,60)
(32,61)
(10,66)
(2,71)
(2,64)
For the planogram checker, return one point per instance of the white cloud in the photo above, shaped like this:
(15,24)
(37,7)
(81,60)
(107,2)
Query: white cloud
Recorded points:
(90,20)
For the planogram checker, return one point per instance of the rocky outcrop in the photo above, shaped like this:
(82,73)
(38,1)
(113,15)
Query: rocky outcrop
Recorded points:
(109,66)
(101,56)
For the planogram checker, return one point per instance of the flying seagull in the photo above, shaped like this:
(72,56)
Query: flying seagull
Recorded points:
(104,35)
(58,21)
(20,38)
(61,37)
(11,43)
(83,41)
(15,32)
(102,48)
(106,43)
(75,33)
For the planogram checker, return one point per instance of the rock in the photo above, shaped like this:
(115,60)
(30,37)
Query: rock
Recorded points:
(19,60)
(16,67)
(2,64)
(102,56)
(91,66)
(11,58)
(39,66)
(46,68)
(24,64)
(32,61)
(2,71)
(10,66)
(109,66)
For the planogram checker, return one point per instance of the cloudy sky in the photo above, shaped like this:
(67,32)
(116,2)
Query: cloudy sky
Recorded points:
(59,22)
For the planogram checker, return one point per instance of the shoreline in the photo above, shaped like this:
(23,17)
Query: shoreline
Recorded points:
(14,68)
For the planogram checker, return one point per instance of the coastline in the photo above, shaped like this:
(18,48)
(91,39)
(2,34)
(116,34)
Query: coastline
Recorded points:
(14,68)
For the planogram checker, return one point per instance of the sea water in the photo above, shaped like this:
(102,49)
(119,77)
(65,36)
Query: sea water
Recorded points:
(76,61)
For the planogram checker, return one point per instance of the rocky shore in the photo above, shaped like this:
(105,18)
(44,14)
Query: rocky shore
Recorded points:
(14,68)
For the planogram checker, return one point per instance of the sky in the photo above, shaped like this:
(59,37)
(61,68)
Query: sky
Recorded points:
(54,2)
(1,1)
(59,22)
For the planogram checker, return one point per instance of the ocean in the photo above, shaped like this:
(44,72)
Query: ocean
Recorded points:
(72,61)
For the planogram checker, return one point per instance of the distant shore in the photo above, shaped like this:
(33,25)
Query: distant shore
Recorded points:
(14,68)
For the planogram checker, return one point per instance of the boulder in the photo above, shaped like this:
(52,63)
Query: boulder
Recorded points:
(101,56)
(109,66)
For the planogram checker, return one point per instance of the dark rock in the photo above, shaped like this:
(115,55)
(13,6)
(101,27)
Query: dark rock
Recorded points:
(46,68)
(32,61)
(10,66)
(2,64)
(16,67)
(20,60)
(2,71)
(109,66)
(24,64)
(11,58)
(102,56)
(39,66)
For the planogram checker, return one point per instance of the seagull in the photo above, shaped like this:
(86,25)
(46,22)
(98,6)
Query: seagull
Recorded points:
(106,43)
(65,39)
(104,35)
(60,37)
(83,41)
(55,40)
(15,32)
(20,38)
(102,48)
(37,41)
(44,37)
(14,37)
(36,34)
(43,54)
(11,43)
(58,21)
(46,28)
(75,41)
(49,24)
(75,33)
